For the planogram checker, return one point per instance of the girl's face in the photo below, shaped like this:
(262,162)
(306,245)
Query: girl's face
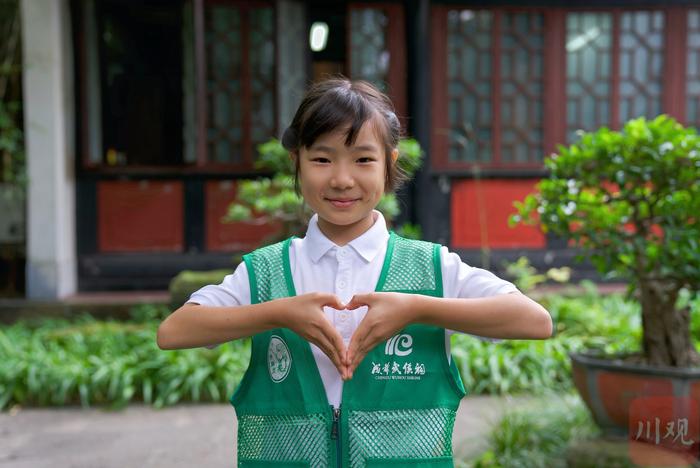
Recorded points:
(343,184)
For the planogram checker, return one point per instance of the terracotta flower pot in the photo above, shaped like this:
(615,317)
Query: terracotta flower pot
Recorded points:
(609,386)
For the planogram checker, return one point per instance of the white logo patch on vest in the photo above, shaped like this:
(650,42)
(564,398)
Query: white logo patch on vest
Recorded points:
(399,345)
(279,359)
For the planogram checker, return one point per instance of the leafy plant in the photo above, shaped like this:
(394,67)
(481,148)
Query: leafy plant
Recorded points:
(272,199)
(538,435)
(91,362)
(631,201)
(526,277)
(86,361)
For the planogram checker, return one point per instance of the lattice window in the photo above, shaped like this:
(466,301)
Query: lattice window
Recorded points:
(495,54)
(240,80)
(469,85)
(693,69)
(262,75)
(522,38)
(641,64)
(588,71)
(369,55)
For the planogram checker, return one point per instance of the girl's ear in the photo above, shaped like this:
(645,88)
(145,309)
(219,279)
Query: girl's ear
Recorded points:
(394,155)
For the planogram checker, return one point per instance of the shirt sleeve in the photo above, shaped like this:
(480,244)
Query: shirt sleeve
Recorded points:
(234,290)
(464,281)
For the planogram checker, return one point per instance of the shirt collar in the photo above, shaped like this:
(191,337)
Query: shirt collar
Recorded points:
(367,245)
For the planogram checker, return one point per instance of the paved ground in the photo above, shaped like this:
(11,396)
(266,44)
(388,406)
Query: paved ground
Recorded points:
(184,436)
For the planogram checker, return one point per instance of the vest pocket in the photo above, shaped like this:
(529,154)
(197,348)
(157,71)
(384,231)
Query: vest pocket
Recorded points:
(436,462)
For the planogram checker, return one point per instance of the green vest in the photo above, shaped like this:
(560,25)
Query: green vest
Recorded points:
(397,410)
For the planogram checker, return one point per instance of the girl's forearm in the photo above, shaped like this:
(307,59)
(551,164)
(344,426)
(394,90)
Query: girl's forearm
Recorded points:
(193,326)
(504,316)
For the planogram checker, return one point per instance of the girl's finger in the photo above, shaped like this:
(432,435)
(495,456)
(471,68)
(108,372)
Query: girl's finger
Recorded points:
(329,350)
(358,300)
(331,300)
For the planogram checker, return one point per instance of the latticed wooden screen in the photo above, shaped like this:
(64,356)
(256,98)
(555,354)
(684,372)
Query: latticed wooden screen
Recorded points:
(377,41)
(521,73)
(469,75)
(693,69)
(495,59)
(240,80)
(509,85)
(369,55)
(588,71)
(641,64)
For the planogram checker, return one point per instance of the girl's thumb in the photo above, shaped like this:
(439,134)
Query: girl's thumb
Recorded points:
(358,300)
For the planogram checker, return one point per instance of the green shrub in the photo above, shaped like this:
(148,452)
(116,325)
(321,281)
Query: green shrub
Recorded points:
(187,282)
(89,362)
(86,361)
(538,435)
(513,366)
(630,200)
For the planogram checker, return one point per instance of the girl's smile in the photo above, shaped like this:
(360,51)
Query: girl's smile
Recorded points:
(342,203)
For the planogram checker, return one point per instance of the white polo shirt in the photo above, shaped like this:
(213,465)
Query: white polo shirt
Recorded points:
(318,265)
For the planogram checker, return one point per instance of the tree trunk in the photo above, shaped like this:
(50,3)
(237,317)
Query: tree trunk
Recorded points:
(666,329)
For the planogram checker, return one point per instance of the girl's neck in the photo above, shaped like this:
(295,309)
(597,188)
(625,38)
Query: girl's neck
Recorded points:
(342,235)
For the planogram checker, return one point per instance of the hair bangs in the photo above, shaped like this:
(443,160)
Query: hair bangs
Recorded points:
(340,108)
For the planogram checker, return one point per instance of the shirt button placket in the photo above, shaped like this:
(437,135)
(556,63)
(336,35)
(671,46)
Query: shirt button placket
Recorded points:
(341,287)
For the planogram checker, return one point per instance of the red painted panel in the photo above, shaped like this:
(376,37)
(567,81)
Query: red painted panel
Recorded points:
(617,392)
(480,212)
(140,216)
(230,236)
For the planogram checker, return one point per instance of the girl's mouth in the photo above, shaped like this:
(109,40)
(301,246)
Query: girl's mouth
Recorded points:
(339,203)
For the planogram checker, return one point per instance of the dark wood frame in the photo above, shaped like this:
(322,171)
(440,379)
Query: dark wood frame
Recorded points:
(554,127)
(201,166)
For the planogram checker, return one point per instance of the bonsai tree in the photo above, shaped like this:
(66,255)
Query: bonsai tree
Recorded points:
(631,201)
(272,199)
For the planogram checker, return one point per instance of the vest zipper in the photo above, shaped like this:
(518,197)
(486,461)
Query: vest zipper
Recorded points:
(335,434)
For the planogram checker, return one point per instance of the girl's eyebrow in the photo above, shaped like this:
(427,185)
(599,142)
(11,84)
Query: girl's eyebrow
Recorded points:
(364,148)
(324,148)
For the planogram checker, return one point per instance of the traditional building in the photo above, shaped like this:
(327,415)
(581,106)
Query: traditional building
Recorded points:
(141,116)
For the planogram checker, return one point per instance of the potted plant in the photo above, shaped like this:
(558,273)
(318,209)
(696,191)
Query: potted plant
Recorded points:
(630,200)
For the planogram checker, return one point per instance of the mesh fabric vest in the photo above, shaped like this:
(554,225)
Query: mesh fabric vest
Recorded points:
(397,410)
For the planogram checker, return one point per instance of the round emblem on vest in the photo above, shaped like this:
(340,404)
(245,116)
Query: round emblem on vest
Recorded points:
(279,359)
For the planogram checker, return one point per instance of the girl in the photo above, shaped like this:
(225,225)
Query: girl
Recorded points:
(351,324)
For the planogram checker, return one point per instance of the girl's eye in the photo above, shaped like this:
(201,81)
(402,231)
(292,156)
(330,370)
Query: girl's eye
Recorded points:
(366,159)
(320,160)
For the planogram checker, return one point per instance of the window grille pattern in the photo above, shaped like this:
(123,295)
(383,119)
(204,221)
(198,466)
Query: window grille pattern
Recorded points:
(224,92)
(240,80)
(693,69)
(369,55)
(469,85)
(641,64)
(262,75)
(588,71)
(522,40)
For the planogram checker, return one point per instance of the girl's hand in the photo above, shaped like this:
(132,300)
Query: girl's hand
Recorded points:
(304,315)
(387,313)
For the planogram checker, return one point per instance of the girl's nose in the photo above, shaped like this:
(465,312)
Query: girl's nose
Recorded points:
(342,179)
